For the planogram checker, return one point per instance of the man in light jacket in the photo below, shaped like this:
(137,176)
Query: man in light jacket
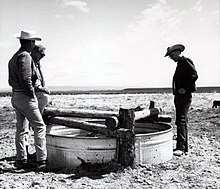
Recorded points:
(22,78)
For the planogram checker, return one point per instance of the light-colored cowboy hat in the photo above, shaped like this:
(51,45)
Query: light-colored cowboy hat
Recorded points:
(27,35)
(177,47)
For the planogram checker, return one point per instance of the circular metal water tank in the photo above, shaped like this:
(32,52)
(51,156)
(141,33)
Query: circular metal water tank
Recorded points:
(69,147)
(153,143)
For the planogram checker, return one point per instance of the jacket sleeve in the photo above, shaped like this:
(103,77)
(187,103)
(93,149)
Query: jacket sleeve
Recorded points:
(191,71)
(25,73)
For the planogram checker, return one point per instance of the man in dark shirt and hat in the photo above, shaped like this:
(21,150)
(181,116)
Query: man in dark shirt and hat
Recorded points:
(41,91)
(183,85)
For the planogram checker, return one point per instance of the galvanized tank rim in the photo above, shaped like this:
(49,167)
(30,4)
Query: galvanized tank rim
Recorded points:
(157,132)
(104,137)
(78,137)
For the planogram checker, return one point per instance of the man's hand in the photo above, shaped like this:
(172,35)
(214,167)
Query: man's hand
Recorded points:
(44,89)
(181,91)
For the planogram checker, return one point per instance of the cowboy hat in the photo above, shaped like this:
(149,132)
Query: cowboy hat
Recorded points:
(177,47)
(28,35)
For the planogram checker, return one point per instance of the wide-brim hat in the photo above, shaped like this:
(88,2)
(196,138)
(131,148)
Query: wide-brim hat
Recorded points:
(177,47)
(28,35)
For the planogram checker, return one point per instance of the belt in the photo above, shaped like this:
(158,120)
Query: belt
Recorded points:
(18,90)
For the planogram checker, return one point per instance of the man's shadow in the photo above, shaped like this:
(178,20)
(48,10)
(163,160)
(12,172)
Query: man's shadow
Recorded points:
(9,159)
(7,164)
(93,171)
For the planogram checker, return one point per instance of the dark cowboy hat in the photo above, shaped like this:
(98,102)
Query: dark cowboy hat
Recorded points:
(177,47)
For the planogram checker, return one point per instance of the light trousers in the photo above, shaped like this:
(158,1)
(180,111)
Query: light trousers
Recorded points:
(43,99)
(27,110)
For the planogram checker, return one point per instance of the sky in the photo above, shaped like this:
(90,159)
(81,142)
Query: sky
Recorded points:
(114,42)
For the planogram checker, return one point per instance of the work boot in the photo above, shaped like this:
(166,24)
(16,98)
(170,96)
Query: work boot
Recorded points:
(32,157)
(21,164)
(178,153)
(41,165)
(32,160)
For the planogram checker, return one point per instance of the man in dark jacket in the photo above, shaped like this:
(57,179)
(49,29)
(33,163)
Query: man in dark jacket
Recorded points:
(22,78)
(183,85)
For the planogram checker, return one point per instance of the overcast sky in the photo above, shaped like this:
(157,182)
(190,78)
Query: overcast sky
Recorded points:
(114,42)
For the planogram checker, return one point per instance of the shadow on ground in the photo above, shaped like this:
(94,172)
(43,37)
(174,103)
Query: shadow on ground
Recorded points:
(92,171)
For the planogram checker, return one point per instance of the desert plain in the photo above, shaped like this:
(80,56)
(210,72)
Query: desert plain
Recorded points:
(199,169)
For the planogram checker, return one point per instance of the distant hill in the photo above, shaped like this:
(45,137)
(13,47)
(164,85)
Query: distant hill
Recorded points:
(121,90)
(111,90)
(169,90)
(83,88)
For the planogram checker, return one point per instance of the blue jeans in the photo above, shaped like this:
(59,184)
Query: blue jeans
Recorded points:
(182,103)
(26,109)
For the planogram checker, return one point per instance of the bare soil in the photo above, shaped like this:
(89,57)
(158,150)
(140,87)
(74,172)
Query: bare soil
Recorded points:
(199,169)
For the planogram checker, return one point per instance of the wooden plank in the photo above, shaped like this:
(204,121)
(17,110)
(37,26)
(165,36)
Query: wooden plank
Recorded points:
(64,112)
(152,104)
(156,118)
(92,127)
(127,145)
(146,114)
(112,122)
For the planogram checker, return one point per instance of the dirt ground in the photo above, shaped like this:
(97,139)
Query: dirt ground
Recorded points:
(199,169)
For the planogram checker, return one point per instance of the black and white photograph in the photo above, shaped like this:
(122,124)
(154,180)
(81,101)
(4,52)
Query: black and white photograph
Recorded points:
(110,94)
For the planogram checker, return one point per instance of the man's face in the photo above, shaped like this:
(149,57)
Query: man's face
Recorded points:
(31,45)
(36,55)
(175,55)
